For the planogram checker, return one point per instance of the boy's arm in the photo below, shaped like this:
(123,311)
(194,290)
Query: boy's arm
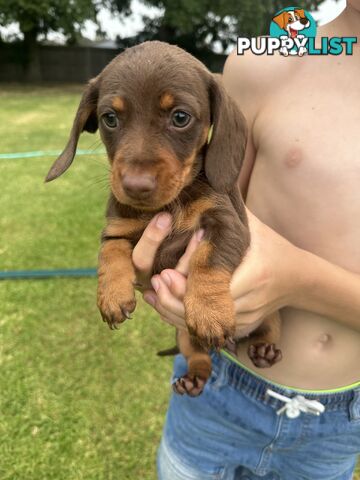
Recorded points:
(275,274)
(329,290)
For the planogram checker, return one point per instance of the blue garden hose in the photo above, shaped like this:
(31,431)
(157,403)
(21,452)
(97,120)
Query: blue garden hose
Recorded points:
(36,274)
(49,153)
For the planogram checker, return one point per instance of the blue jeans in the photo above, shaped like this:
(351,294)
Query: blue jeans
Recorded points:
(232,431)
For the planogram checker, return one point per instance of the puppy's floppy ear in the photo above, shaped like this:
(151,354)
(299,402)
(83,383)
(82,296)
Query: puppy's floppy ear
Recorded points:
(226,147)
(85,119)
(281,20)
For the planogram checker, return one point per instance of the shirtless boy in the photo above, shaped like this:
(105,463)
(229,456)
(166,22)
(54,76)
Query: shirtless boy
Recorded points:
(301,179)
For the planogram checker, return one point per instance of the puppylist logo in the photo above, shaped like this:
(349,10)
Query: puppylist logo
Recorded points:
(293,32)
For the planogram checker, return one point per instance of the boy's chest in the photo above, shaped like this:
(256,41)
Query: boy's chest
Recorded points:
(307,167)
(309,129)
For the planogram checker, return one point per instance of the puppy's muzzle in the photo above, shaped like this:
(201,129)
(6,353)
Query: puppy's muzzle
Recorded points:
(139,187)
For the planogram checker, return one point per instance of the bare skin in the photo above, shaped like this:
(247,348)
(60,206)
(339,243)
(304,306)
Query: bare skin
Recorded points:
(301,175)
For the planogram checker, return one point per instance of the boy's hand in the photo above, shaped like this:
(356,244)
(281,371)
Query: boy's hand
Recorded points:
(266,280)
(168,303)
(268,277)
(145,250)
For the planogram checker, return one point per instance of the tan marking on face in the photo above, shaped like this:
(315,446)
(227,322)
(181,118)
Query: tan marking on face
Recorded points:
(167,101)
(118,104)
(169,174)
(187,169)
(188,217)
(124,226)
(166,168)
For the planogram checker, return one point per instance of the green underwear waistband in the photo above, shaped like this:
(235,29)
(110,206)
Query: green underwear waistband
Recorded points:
(286,387)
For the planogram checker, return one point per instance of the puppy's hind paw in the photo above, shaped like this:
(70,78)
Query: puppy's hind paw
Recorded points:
(192,386)
(264,355)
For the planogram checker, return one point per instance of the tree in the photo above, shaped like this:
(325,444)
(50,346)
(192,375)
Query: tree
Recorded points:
(37,17)
(198,25)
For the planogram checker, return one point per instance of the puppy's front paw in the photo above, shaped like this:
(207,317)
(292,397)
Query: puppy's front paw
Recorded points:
(116,301)
(210,317)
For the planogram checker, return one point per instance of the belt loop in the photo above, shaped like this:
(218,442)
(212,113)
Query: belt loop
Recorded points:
(354,407)
(221,378)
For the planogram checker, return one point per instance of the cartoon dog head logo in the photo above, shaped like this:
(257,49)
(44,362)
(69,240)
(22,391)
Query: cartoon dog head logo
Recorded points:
(294,26)
(292,21)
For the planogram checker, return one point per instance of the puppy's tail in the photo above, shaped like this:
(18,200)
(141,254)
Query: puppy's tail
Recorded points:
(169,351)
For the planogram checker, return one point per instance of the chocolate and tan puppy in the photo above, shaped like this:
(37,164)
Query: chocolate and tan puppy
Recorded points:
(175,142)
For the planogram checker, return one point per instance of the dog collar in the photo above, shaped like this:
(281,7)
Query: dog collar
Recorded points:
(210,133)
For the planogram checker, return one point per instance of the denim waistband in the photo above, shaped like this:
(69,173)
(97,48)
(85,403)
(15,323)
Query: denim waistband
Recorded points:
(232,374)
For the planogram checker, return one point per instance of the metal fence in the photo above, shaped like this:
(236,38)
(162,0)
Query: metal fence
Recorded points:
(69,64)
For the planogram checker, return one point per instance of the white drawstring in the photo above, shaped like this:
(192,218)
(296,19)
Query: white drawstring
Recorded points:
(295,405)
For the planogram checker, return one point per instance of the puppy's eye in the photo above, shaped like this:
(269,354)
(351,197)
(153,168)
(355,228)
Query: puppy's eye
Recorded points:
(110,120)
(290,20)
(180,119)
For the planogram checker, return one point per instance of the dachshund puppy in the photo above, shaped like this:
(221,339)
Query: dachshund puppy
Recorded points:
(175,142)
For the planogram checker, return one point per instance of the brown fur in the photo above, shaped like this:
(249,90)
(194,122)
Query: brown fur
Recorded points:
(116,279)
(208,304)
(123,227)
(173,169)
(188,217)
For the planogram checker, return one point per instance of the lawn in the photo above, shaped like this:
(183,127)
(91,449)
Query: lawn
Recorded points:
(77,401)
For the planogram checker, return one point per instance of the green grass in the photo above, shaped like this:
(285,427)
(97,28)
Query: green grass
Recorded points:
(77,400)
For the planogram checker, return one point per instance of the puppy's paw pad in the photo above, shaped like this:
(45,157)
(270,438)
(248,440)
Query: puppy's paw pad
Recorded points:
(192,386)
(264,355)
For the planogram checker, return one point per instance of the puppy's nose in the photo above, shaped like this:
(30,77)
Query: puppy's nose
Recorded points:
(304,21)
(138,186)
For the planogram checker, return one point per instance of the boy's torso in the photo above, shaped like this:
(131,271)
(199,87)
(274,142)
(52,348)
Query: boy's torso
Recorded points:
(305,185)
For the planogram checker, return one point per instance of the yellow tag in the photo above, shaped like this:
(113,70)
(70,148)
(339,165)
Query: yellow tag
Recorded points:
(210,133)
